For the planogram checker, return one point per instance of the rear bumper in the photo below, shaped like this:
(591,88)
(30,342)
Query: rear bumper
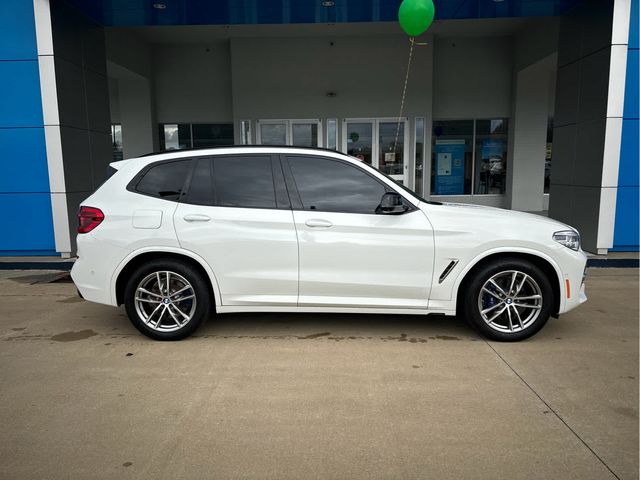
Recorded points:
(93,271)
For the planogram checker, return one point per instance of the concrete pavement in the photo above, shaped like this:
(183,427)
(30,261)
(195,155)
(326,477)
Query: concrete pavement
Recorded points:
(275,396)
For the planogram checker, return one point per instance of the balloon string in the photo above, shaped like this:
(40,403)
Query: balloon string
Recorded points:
(404,93)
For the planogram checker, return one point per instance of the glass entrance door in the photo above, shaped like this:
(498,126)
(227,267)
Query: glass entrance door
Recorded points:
(378,142)
(359,140)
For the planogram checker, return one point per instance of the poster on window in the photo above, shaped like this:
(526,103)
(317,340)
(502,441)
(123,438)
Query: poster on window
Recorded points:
(492,165)
(449,158)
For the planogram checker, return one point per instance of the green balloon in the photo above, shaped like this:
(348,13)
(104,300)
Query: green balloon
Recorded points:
(415,16)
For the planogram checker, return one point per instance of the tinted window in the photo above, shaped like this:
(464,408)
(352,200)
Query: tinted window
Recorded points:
(244,182)
(165,180)
(201,187)
(333,186)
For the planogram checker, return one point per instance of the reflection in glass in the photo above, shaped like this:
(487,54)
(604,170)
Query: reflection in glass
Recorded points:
(273,133)
(175,136)
(491,156)
(245,132)
(212,134)
(391,157)
(419,155)
(304,134)
(332,134)
(360,141)
(547,159)
(451,157)
(116,141)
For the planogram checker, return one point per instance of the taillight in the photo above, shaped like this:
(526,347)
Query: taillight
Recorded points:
(89,218)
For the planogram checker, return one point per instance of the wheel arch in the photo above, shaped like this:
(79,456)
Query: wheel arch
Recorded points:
(546,264)
(139,257)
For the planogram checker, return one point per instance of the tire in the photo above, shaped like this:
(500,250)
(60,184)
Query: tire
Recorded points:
(492,308)
(178,313)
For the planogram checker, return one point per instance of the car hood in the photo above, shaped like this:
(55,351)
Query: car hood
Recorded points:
(481,213)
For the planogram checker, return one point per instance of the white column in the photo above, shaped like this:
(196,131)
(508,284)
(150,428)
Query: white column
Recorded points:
(53,140)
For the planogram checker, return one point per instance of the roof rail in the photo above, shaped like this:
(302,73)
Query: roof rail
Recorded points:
(221,147)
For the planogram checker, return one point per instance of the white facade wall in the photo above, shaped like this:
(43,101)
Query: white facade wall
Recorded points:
(254,78)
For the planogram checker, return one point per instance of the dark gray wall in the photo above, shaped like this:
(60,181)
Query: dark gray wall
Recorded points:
(582,86)
(83,103)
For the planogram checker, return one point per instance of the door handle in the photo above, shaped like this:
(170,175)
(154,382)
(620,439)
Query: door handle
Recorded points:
(196,217)
(318,223)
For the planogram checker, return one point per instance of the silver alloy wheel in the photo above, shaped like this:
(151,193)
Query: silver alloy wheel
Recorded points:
(165,301)
(510,301)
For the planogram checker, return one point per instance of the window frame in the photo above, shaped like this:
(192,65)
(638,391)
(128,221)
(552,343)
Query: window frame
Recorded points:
(296,199)
(473,156)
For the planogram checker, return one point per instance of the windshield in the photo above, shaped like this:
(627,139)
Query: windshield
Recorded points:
(406,189)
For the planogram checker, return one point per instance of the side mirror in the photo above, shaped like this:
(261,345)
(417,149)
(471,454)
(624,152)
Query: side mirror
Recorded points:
(391,204)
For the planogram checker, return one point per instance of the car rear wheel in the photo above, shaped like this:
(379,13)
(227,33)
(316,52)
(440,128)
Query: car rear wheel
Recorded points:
(508,300)
(167,299)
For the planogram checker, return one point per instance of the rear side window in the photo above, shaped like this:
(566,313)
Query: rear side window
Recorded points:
(334,186)
(244,181)
(165,180)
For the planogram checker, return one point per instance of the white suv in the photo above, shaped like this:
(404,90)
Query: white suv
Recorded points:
(175,236)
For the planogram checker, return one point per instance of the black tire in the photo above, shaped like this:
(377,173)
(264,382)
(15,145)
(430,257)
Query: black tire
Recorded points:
(203,299)
(471,303)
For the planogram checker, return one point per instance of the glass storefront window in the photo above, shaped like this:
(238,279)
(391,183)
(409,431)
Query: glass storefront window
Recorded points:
(391,147)
(273,133)
(332,134)
(212,134)
(360,141)
(178,136)
(175,136)
(116,141)
(491,156)
(419,150)
(547,159)
(451,158)
(245,132)
(304,134)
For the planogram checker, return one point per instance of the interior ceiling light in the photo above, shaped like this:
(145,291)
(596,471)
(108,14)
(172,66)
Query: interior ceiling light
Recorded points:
(328,3)
(159,6)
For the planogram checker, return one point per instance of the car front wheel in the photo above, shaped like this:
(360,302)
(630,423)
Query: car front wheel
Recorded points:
(508,300)
(167,299)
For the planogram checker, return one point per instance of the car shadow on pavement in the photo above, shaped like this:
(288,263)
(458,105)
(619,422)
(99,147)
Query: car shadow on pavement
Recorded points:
(337,326)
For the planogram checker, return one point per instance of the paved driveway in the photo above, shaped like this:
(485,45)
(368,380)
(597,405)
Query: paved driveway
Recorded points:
(83,395)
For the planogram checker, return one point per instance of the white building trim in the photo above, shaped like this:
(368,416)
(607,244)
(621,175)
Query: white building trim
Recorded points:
(50,112)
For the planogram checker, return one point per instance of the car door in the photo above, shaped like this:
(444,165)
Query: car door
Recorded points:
(349,255)
(237,216)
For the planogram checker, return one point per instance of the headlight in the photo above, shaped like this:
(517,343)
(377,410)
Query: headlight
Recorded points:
(568,238)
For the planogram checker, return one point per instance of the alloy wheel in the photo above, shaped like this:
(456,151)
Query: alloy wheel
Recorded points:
(165,301)
(510,301)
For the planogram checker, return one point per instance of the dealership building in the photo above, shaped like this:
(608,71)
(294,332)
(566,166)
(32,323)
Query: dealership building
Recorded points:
(529,105)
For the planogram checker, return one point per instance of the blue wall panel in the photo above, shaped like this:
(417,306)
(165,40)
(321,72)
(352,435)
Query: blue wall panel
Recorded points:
(20,104)
(26,220)
(17,32)
(626,233)
(26,172)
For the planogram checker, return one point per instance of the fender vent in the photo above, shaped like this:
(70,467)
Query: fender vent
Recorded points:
(447,270)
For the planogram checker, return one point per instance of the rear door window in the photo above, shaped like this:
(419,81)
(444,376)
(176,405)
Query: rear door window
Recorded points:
(244,181)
